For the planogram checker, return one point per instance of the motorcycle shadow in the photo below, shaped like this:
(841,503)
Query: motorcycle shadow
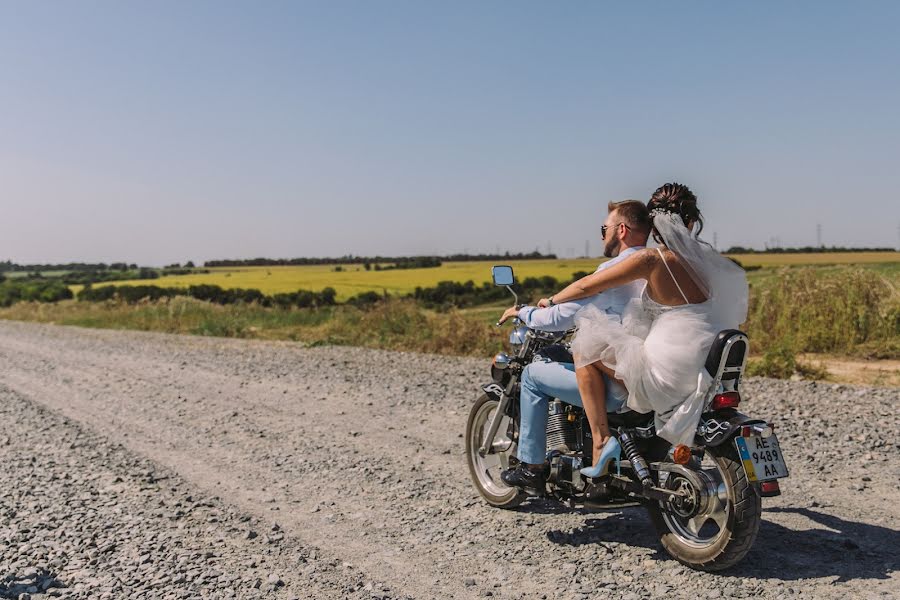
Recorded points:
(847,550)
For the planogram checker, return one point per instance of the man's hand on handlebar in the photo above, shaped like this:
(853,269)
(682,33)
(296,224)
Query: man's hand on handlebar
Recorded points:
(508,314)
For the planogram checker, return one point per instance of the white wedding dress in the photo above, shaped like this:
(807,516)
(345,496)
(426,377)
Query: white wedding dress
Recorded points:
(659,351)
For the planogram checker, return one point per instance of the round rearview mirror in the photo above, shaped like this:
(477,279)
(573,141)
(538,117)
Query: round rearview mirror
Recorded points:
(503,275)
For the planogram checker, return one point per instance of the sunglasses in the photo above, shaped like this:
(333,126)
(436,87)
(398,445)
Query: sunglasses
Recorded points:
(603,228)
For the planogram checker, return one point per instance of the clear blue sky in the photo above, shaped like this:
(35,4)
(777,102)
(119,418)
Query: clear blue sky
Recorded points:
(159,132)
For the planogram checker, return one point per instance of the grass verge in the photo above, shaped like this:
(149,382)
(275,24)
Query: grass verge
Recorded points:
(846,312)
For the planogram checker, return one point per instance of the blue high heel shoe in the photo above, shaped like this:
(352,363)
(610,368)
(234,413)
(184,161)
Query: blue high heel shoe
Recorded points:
(611,451)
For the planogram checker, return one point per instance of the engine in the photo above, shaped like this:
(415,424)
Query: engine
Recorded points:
(563,444)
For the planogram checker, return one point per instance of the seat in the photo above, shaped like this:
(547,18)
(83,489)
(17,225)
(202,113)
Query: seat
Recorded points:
(629,419)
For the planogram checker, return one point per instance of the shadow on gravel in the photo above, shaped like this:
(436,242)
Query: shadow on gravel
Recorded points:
(846,549)
(630,526)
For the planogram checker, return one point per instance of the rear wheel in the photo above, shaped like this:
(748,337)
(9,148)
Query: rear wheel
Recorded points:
(716,526)
(485,470)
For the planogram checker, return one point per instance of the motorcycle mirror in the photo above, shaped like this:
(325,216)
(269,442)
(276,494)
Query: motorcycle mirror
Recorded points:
(503,275)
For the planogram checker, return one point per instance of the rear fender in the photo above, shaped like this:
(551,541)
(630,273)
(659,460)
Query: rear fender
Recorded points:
(717,427)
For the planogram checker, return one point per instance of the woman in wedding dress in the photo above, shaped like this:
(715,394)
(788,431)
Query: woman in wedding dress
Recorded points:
(659,349)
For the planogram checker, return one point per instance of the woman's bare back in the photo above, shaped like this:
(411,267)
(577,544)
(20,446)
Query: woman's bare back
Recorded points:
(663,283)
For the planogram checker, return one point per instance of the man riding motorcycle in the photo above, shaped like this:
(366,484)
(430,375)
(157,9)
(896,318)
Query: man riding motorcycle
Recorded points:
(625,231)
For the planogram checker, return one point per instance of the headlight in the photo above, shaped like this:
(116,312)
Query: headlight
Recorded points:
(500,368)
(501,361)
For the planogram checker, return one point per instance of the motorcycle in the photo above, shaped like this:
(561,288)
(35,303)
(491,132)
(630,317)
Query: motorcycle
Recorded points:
(704,500)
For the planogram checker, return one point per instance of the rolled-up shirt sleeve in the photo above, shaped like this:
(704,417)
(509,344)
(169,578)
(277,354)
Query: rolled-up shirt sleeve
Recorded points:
(559,317)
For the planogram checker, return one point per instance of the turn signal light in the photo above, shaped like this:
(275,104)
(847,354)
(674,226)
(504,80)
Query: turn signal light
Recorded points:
(681,455)
(726,400)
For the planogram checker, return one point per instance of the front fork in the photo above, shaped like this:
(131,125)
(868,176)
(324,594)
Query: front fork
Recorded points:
(505,395)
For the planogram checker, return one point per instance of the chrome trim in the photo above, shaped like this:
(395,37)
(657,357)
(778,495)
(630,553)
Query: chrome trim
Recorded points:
(501,360)
(518,335)
(716,384)
(515,295)
(498,417)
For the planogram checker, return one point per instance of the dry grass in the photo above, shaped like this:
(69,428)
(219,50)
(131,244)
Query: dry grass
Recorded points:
(841,312)
(394,325)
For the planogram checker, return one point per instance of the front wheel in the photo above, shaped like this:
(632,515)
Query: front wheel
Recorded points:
(716,527)
(485,470)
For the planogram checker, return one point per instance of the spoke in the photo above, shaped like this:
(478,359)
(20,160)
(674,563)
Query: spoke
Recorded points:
(717,511)
(491,461)
(695,524)
(504,460)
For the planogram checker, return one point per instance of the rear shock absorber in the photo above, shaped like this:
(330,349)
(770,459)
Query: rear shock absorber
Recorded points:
(626,440)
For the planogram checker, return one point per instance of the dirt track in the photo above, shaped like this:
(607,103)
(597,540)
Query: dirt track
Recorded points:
(339,472)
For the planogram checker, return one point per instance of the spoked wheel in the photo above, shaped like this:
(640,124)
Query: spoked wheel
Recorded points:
(715,525)
(485,470)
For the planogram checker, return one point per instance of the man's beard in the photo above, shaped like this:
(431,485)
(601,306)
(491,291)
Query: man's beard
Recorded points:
(611,249)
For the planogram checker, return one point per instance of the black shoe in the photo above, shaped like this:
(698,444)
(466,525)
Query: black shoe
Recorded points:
(524,478)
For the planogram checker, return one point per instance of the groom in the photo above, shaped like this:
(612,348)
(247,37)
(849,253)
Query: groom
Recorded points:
(624,232)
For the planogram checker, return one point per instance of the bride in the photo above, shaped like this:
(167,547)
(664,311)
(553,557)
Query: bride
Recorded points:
(659,349)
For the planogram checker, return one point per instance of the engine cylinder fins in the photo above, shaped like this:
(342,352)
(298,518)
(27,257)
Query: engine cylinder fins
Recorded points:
(561,434)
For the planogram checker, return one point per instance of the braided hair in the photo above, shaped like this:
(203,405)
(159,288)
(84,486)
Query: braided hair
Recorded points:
(677,199)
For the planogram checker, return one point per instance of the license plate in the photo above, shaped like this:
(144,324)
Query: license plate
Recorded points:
(761,457)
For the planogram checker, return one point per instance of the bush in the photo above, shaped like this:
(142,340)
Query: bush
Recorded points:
(366,299)
(33,290)
(778,362)
(824,312)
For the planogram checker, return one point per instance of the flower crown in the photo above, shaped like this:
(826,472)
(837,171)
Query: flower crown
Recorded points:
(661,211)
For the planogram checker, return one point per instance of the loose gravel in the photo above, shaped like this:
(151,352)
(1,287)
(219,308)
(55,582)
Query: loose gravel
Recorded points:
(141,465)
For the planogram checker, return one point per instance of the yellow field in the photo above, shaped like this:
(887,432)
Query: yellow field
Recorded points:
(354,279)
(819,258)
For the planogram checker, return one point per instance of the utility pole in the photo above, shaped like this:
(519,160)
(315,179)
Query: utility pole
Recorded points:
(715,240)
(549,248)
(819,235)
(587,245)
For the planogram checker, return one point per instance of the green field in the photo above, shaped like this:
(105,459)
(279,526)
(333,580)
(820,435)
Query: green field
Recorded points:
(355,279)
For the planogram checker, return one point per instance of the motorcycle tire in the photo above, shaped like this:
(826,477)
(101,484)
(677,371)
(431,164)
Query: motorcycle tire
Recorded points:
(739,523)
(484,474)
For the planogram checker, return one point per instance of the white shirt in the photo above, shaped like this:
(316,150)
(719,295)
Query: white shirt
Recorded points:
(561,317)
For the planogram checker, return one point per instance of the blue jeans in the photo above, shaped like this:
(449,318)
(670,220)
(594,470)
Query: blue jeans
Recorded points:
(542,381)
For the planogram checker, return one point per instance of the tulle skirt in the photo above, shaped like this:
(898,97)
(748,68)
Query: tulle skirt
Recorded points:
(659,357)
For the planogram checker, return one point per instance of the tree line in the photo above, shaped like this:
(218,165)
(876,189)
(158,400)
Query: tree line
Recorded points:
(132,294)
(9,266)
(373,260)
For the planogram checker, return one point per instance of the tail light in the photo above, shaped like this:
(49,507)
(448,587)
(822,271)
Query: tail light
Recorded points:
(762,430)
(726,400)
(767,489)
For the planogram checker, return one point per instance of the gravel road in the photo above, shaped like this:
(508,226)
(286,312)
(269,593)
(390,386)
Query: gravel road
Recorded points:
(137,465)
